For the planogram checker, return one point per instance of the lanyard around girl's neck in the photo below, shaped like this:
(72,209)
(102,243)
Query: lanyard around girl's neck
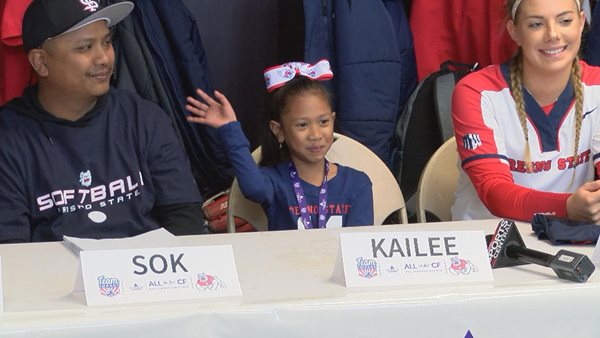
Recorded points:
(303,205)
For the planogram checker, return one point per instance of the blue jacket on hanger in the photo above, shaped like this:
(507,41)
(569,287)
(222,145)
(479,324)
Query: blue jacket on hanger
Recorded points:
(173,38)
(370,47)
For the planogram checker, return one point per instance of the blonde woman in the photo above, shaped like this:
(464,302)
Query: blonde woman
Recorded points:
(527,131)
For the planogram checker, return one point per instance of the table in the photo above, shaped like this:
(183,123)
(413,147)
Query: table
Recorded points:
(288,292)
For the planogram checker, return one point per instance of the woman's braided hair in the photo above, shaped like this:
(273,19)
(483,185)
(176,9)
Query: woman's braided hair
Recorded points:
(516,85)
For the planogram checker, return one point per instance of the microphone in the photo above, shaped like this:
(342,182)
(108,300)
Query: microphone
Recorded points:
(506,248)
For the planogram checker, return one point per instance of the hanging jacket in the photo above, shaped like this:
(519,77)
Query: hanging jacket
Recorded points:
(134,68)
(592,41)
(15,70)
(466,31)
(370,47)
(172,37)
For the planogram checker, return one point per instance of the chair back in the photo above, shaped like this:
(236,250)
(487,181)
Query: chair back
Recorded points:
(387,197)
(240,206)
(438,182)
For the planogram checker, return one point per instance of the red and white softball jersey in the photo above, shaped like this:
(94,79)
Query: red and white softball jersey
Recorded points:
(491,146)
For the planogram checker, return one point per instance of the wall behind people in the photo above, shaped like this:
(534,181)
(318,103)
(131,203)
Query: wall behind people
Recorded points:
(241,40)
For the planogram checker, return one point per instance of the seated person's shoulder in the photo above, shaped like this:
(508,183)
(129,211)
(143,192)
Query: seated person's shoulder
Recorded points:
(591,74)
(134,102)
(353,176)
(489,78)
(126,96)
(16,116)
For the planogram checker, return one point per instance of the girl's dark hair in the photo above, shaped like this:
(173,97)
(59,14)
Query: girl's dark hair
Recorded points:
(277,102)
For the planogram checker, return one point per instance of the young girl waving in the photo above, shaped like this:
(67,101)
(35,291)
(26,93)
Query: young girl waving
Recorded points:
(296,185)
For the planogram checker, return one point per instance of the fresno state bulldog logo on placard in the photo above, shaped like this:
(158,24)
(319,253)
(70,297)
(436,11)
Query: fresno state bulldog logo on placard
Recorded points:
(461,266)
(208,282)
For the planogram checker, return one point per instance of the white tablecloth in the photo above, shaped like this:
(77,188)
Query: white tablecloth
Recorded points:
(288,292)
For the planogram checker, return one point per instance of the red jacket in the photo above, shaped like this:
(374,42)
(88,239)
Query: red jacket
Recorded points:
(465,31)
(15,70)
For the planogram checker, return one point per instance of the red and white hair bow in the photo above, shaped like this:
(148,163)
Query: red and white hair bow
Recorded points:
(277,76)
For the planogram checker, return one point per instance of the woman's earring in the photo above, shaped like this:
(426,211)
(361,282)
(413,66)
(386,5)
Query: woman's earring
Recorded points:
(280,145)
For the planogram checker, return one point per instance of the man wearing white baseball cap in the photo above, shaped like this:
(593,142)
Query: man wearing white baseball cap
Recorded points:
(78,157)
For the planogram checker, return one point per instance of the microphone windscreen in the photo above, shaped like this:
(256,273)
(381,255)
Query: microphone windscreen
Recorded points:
(506,232)
(488,239)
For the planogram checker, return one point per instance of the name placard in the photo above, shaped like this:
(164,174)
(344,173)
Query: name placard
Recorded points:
(596,255)
(148,275)
(1,293)
(405,258)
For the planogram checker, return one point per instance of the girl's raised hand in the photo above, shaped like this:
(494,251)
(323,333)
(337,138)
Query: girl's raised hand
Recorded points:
(214,113)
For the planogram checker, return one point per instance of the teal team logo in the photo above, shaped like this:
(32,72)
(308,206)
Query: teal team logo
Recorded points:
(108,286)
(367,268)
